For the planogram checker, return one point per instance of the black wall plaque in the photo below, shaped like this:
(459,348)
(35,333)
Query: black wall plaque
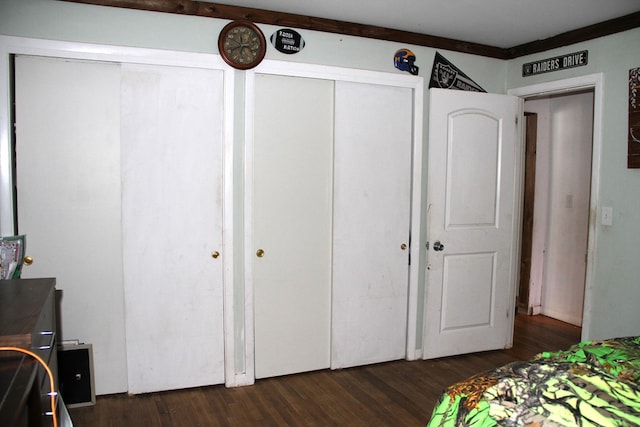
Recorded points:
(287,41)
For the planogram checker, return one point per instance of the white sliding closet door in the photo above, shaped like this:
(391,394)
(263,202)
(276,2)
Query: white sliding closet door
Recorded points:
(68,199)
(372,198)
(172,139)
(292,152)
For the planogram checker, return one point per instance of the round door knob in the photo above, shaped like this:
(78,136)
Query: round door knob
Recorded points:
(437,246)
(259,253)
(215,254)
(27,260)
(403,246)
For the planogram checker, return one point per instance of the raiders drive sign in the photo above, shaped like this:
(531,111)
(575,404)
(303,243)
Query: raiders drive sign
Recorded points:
(571,60)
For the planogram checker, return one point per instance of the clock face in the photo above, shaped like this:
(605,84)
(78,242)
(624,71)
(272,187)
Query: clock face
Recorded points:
(242,44)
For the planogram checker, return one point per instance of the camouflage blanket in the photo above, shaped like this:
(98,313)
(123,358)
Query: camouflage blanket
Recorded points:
(594,383)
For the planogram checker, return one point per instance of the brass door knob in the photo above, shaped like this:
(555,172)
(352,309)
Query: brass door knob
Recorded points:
(259,253)
(27,260)
(215,254)
(403,246)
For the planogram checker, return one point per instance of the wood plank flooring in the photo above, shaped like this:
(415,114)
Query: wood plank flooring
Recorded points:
(393,393)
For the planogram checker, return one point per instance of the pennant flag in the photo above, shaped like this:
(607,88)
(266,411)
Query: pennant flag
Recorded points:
(445,75)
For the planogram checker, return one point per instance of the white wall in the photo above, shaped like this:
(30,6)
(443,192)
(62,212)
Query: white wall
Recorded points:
(126,27)
(560,226)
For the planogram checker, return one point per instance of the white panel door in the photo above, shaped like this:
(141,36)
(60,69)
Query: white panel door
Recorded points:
(68,199)
(172,164)
(371,225)
(292,202)
(471,222)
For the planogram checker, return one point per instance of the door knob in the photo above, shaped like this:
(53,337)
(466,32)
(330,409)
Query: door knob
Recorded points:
(215,254)
(259,253)
(27,260)
(437,246)
(403,246)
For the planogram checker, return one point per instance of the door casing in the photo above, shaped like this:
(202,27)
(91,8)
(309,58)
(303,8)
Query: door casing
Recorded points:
(531,121)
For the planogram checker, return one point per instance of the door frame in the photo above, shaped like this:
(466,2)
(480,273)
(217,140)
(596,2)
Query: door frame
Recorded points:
(529,146)
(10,45)
(337,74)
(594,82)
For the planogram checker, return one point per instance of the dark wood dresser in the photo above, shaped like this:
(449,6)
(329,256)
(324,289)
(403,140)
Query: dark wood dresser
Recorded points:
(27,320)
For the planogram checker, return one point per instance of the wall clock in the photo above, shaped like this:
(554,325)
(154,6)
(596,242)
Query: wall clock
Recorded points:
(242,44)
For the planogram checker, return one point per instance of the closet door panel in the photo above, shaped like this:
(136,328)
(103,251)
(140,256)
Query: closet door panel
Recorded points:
(69,199)
(172,165)
(292,182)
(371,220)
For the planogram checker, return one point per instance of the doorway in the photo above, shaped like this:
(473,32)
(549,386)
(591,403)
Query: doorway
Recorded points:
(568,151)
(558,220)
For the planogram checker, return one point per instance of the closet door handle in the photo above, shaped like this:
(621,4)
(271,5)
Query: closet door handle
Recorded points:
(259,253)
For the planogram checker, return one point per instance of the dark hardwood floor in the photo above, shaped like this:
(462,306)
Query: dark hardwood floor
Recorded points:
(394,393)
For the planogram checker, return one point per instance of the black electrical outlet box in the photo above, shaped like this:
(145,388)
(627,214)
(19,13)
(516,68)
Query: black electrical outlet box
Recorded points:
(75,375)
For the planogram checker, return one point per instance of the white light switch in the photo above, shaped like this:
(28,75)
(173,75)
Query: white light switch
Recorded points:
(607,215)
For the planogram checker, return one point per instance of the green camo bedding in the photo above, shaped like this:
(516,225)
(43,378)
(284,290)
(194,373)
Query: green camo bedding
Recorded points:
(594,383)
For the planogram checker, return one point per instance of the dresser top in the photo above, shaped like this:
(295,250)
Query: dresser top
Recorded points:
(21,302)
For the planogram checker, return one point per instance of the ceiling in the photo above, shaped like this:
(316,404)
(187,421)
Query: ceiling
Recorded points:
(498,23)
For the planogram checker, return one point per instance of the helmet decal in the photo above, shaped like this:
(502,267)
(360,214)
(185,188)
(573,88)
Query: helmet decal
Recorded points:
(404,60)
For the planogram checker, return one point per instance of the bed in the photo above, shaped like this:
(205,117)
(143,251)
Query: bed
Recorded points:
(594,383)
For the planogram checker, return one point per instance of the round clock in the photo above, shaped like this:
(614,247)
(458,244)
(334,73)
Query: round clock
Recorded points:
(242,44)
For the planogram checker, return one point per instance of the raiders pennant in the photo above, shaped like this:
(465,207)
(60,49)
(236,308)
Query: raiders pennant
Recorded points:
(445,75)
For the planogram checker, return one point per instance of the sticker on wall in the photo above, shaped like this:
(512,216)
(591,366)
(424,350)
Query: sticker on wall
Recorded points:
(445,75)
(405,60)
(633,158)
(287,41)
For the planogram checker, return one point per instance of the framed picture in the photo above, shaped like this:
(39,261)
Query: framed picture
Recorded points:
(633,143)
